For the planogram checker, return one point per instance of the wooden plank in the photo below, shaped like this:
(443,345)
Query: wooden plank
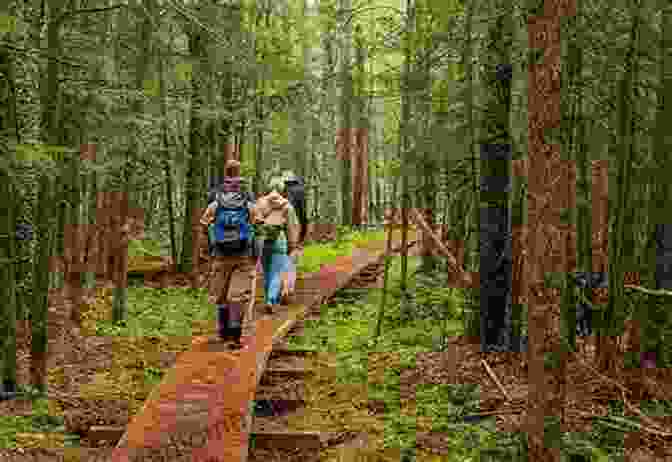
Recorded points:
(287,440)
(99,433)
(283,351)
(293,373)
(273,439)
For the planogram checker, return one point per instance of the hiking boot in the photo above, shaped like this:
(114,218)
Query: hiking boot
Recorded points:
(223,321)
(235,327)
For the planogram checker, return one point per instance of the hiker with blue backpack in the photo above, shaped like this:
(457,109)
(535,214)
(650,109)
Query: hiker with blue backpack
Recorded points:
(231,242)
(280,235)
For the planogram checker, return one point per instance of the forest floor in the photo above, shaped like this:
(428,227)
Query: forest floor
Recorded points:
(422,385)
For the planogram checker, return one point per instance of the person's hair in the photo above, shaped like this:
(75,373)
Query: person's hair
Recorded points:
(232,168)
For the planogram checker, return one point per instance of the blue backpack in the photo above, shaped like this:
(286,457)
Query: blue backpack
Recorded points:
(231,231)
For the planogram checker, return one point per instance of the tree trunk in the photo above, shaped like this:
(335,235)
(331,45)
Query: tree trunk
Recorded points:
(345,133)
(8,253)
(42,267)
(8,263)
(660,210)
(360,159)
(607,350)
(45,264)
(404,142)
(120,235)
(329,171)
(193,199)
(166,164)
(545,170)
(495,219)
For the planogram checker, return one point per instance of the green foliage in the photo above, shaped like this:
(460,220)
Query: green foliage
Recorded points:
(163,312)
(446,404)
(43,419)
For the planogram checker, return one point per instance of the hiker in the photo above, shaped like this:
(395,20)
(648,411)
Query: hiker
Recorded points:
(296,195)
(278,234)
(229,217)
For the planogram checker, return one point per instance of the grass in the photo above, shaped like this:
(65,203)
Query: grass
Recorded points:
(365,370)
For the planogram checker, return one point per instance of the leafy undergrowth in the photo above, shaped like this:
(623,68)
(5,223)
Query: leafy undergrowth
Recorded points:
(355,373)
(160,323)
(368,388)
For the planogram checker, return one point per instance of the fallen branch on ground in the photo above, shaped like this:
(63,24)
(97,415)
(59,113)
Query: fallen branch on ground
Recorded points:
(628,405)
(496,380)
(648,291)
(452,261)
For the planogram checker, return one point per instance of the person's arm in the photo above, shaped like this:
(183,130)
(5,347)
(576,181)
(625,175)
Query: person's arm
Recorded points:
(209,215)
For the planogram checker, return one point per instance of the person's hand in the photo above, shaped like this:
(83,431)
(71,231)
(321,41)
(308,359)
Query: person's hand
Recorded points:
(284,290)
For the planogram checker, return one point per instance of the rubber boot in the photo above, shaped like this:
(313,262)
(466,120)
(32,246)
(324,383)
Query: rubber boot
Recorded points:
(223,321)
(235,326)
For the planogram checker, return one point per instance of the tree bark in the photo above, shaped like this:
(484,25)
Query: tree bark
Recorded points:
(607,350)
(546,177)
(495,213)
(193,199)
(8,256)
(346,132)
(660,210)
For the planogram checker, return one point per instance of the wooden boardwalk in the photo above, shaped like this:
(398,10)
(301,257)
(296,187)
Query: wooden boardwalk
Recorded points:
(201,410)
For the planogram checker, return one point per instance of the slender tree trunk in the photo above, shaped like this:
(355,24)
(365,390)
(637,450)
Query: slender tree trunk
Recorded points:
(44,263)
(404,141)
(166,162)
(495,232)
(88,156)
(660,210)
(329,171)
(29,131)
(429,166)
(607,350)
(260,115)
(472,320)
(38,350)
(193,199)
(8,253)
(345,133)
(226,131)
(361,136)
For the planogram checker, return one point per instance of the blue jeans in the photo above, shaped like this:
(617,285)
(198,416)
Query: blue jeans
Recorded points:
(275,262)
